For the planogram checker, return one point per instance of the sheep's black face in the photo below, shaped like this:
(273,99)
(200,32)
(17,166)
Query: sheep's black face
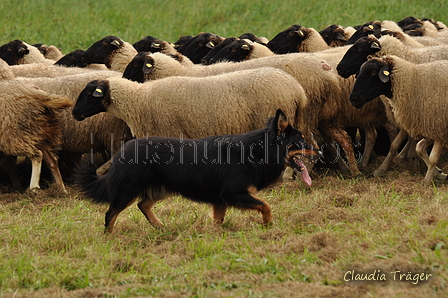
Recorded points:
(13,51)
(408,21)
(251,37)
(199,46)
(207,59)
(287,41)
(373,28)
(140,65)
(356,55)
(72,59)
(372,81)
(333,35)
(148,44)
(99,52)
(92,100)
(236,51)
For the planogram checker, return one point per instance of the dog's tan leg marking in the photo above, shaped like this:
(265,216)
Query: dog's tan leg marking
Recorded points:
(145,207)
(219,212)
(112,214)
(252,189)
(264,209)
(111,217)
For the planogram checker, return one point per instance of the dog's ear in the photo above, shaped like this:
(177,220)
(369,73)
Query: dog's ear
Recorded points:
(281,121)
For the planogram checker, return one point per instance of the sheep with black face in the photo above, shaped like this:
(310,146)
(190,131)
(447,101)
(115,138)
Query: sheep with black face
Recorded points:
(417,94)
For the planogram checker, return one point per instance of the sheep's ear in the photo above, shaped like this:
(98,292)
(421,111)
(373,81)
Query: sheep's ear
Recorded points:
(282,121)
(384,74)
(375,45)
(99,92)
(368,28)
(301,33)
(156,45)
(116,43)
(147,68)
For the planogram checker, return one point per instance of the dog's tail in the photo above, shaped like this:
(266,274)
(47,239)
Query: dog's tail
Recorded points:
(90,184)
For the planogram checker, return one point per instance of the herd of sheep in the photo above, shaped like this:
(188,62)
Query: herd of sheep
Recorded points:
(388,75)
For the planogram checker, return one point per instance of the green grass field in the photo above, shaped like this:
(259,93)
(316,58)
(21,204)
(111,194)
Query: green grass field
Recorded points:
(393,229)
(72,24)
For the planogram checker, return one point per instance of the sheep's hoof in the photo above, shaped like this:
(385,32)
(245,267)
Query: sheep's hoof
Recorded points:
(379,173)
(32,192)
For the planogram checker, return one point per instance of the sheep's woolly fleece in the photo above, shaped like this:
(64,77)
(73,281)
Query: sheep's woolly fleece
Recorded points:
(192,107)
(27,121)
(35,70)
(392,46)
(120,58)
(318,79)
(99,132)
(34,56)
(419,97)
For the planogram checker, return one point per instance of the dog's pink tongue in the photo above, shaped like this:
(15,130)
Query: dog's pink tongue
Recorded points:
(305,175)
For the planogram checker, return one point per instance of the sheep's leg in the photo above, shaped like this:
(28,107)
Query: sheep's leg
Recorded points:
(392,130)
(394,146)
(421,147)
(412,154)
(433,160)
(343,139)
(101,171)
(405,152)
(9,164)
(371,135)
(52,163)
(288,174)
(332,148)
(36,166)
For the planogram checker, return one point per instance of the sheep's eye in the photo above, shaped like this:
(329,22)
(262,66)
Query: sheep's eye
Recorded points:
(360,49)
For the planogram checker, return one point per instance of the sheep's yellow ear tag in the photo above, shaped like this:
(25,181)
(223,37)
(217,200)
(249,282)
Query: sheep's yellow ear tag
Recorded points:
(245,47)
(98,93)
(384,75)
(375,45)
(116,43)
(147,68)
(371,27)
(301,33)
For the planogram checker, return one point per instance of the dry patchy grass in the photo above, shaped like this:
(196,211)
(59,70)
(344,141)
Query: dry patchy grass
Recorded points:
(53,245)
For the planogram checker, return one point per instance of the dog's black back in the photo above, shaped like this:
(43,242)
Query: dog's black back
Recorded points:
(220,170)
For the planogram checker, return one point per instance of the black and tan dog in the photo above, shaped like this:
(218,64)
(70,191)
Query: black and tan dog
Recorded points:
(224,171)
